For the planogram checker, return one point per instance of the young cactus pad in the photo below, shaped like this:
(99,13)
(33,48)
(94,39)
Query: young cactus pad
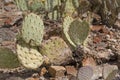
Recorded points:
(33,29)
(75,31)
(56,50)
(8,60)
(21,4)
(29,57)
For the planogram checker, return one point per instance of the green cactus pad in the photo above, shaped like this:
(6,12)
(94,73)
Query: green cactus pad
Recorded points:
(67,21)
(8,60)
(50,5)
(33,29)
(75,31)
(35,5)
(69,8)
(29,57)
(56,50)
(75,3)
(78,31)
(21,4)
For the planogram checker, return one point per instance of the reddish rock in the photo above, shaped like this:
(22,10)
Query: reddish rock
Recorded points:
(89,61)
(71,70)
(57,71)
(43,71)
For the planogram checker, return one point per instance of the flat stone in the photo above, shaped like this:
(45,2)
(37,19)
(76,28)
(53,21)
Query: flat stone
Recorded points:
(108,69)
(57,71)
(71,70)
(85,73)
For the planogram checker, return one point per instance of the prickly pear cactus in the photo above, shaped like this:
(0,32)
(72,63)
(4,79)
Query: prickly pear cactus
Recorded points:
(75,3)
(53,7)
(35,5)
(29,57)
(69,8)
(55,15)
(109,11)
(8,60)
(66,23)
(75,30)
(33,29)
(56,50)
(21,4)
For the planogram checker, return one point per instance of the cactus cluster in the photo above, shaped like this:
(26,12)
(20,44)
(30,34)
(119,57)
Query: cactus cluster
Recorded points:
(33,29)
(56,50)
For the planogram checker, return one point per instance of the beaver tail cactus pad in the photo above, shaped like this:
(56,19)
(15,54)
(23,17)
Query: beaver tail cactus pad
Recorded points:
(56,50)
(21,4)
(75,30)
(33,29)
(78,31)
(29,57)
(8,60)
(66,23)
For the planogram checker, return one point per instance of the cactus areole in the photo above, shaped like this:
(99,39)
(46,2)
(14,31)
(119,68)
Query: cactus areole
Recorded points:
(33,29)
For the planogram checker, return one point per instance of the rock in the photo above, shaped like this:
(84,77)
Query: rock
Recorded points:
(97,70)
(85,73)
(90,73)
(71,70)
(57,71)
(108,69)
(59,78)
(43,71)
(32,78)
(89,61)
(14,78)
